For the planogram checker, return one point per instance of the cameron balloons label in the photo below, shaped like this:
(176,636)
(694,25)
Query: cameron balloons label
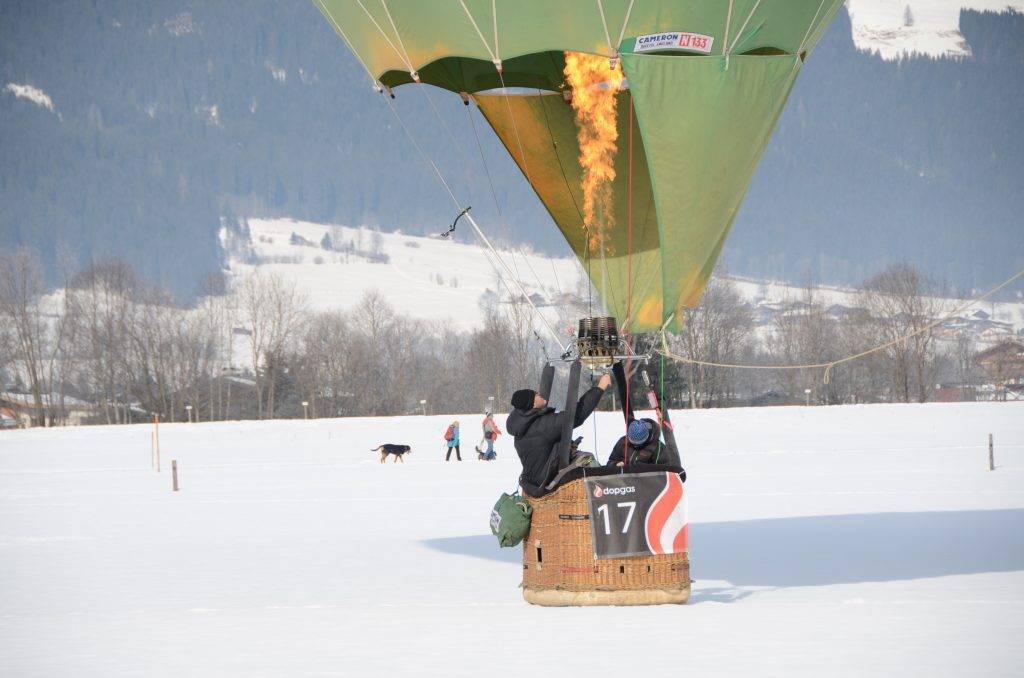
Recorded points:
(692,41)
(637,514)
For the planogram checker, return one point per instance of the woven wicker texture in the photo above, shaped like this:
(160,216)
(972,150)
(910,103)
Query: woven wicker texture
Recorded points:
(558,555)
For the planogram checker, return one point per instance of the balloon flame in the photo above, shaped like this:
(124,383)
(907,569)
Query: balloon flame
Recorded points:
(594,86)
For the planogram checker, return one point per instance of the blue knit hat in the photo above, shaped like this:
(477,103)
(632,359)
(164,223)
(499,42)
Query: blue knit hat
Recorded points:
(639,432)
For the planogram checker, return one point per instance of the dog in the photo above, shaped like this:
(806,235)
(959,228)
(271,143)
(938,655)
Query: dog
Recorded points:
(397,450)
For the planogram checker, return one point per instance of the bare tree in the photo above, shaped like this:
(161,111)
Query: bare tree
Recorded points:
(275,310)
(901,309)
(719,330)
(806,335)
(34,332)
(101,301)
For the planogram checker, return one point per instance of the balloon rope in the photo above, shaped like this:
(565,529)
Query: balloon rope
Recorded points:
(501,215)
(492,52)
(403,57)
(827,366)
(809,27)
(743,27)
(661,398)
(330,17)
(572,196)
(476,227)
(412,71)
(629,266)
(728,20)
(604,22)
(625,21)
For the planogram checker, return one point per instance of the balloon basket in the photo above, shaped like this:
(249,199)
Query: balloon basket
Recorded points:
(559,567)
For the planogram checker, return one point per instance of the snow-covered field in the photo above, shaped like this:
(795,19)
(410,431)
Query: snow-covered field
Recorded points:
(854,540)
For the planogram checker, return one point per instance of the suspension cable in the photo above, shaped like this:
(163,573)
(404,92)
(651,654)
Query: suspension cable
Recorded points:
(476,227)
(743,27)
(828,365)
(501,215)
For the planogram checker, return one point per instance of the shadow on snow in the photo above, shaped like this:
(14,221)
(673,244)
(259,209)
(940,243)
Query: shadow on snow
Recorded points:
(834,549)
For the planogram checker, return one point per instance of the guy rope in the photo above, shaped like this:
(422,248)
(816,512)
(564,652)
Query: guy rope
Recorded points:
(827,366)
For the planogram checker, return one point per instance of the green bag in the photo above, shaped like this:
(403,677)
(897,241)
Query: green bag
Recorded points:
(510,519)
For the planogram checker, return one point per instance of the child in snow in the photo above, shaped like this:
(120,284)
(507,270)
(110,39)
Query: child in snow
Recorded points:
(451,439)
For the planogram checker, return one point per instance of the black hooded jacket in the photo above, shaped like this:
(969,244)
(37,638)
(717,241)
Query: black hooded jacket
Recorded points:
(537,432)
(648,454)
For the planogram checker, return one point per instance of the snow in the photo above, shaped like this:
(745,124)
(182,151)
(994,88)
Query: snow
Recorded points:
(848,540)
(409,280)
(182,24)
(30,93)
(879,25)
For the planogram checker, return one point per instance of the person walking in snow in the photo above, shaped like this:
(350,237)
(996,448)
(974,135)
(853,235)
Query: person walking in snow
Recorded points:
(491,433)
(451,441)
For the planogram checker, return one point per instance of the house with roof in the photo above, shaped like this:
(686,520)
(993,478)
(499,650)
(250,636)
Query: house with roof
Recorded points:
(1003,364)
(19,410)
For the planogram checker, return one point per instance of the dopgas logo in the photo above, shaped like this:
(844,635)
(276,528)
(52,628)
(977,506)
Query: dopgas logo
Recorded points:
(612,491)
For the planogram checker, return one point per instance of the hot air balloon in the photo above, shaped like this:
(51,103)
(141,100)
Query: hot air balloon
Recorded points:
(639,124)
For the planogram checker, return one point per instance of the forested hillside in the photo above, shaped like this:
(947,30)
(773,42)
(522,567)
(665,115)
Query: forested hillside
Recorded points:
(168,116)
(920,159)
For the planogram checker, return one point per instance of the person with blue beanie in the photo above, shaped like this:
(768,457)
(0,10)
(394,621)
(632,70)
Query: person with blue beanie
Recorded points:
(644,438)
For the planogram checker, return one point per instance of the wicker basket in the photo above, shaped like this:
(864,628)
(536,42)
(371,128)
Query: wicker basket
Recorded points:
(559,567)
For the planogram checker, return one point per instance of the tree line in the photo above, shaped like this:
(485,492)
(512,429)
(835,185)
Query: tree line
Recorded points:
(125,347)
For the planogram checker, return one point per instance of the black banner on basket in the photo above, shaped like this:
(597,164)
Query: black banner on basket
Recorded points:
(637,514)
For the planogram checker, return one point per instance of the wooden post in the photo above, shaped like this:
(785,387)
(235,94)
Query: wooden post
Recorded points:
(174,474)
(991,455)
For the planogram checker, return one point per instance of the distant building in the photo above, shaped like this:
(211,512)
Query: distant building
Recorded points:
(954,393)
(17,410)
(838,312)
(1003,364)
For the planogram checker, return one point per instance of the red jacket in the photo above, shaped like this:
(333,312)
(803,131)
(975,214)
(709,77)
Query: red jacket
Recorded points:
(494,430)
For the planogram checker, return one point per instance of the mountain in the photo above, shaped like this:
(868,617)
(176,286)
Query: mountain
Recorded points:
(916,27)
(137,129)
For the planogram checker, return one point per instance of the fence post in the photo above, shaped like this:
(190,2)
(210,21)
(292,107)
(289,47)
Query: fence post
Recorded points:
(991,455)
(174,474)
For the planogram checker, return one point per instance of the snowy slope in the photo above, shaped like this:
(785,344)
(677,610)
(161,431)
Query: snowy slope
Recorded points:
(409,280)
(854,540)
(426,278)
(880,25)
